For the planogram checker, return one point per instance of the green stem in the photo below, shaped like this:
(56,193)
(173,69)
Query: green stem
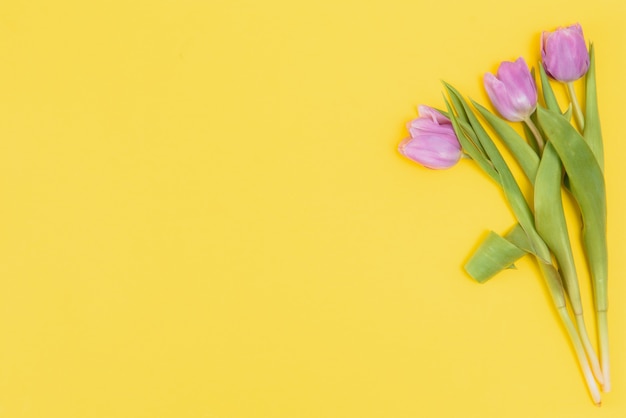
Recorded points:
(578,114)
(555,287)
(594,391)
(604,348)
(591,353)
(552,226)
(533,128)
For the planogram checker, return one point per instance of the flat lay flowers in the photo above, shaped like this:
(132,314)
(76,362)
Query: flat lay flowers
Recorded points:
(560,152)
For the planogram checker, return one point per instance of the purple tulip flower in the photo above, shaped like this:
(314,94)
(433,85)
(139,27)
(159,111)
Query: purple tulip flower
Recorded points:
(564,53)
(433,142)
(512,90)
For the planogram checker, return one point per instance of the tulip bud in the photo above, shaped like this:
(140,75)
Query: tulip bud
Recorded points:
(433,142)
(564,53)
(512,90)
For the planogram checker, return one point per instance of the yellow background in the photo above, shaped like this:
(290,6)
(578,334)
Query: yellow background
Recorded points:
(203,213)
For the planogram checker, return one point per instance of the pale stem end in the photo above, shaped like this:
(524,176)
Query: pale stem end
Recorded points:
(592,386)
(603,334)
(591,353)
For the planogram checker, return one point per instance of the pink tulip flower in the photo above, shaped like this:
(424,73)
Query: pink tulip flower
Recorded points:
(564,53)
(512,90)
(433,142)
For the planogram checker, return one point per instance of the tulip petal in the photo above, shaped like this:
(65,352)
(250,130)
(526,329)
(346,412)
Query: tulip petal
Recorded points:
(422,125)
(501,98)
(564,53)
(512,90)
(432,151)
(427,111)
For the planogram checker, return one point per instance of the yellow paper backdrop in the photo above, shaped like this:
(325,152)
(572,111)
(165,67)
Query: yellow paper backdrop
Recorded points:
(203,213)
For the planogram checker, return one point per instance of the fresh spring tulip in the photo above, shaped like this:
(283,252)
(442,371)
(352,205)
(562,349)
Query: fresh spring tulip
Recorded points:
(433,142)
(512,90)
(564,53)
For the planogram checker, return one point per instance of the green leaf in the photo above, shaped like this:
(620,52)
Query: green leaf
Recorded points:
(456,103)
(587,185)
(551,223)
(546,88)
(493,255)
(469,147)
(462,114)
(523,153)
(593,132)
(518,237)
(511,189)
(548,95)
(568,113)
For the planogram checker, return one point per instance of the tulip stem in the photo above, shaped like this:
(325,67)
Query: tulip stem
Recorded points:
(533,128)
(578,114)
(555,288)
(591,354)
(594,390)
(604,349)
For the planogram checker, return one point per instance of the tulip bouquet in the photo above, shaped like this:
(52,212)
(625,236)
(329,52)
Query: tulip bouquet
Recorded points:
(556,155)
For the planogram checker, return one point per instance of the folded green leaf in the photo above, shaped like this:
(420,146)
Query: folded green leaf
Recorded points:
(587,185)
(518,237)
(550,221)
(493,255)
